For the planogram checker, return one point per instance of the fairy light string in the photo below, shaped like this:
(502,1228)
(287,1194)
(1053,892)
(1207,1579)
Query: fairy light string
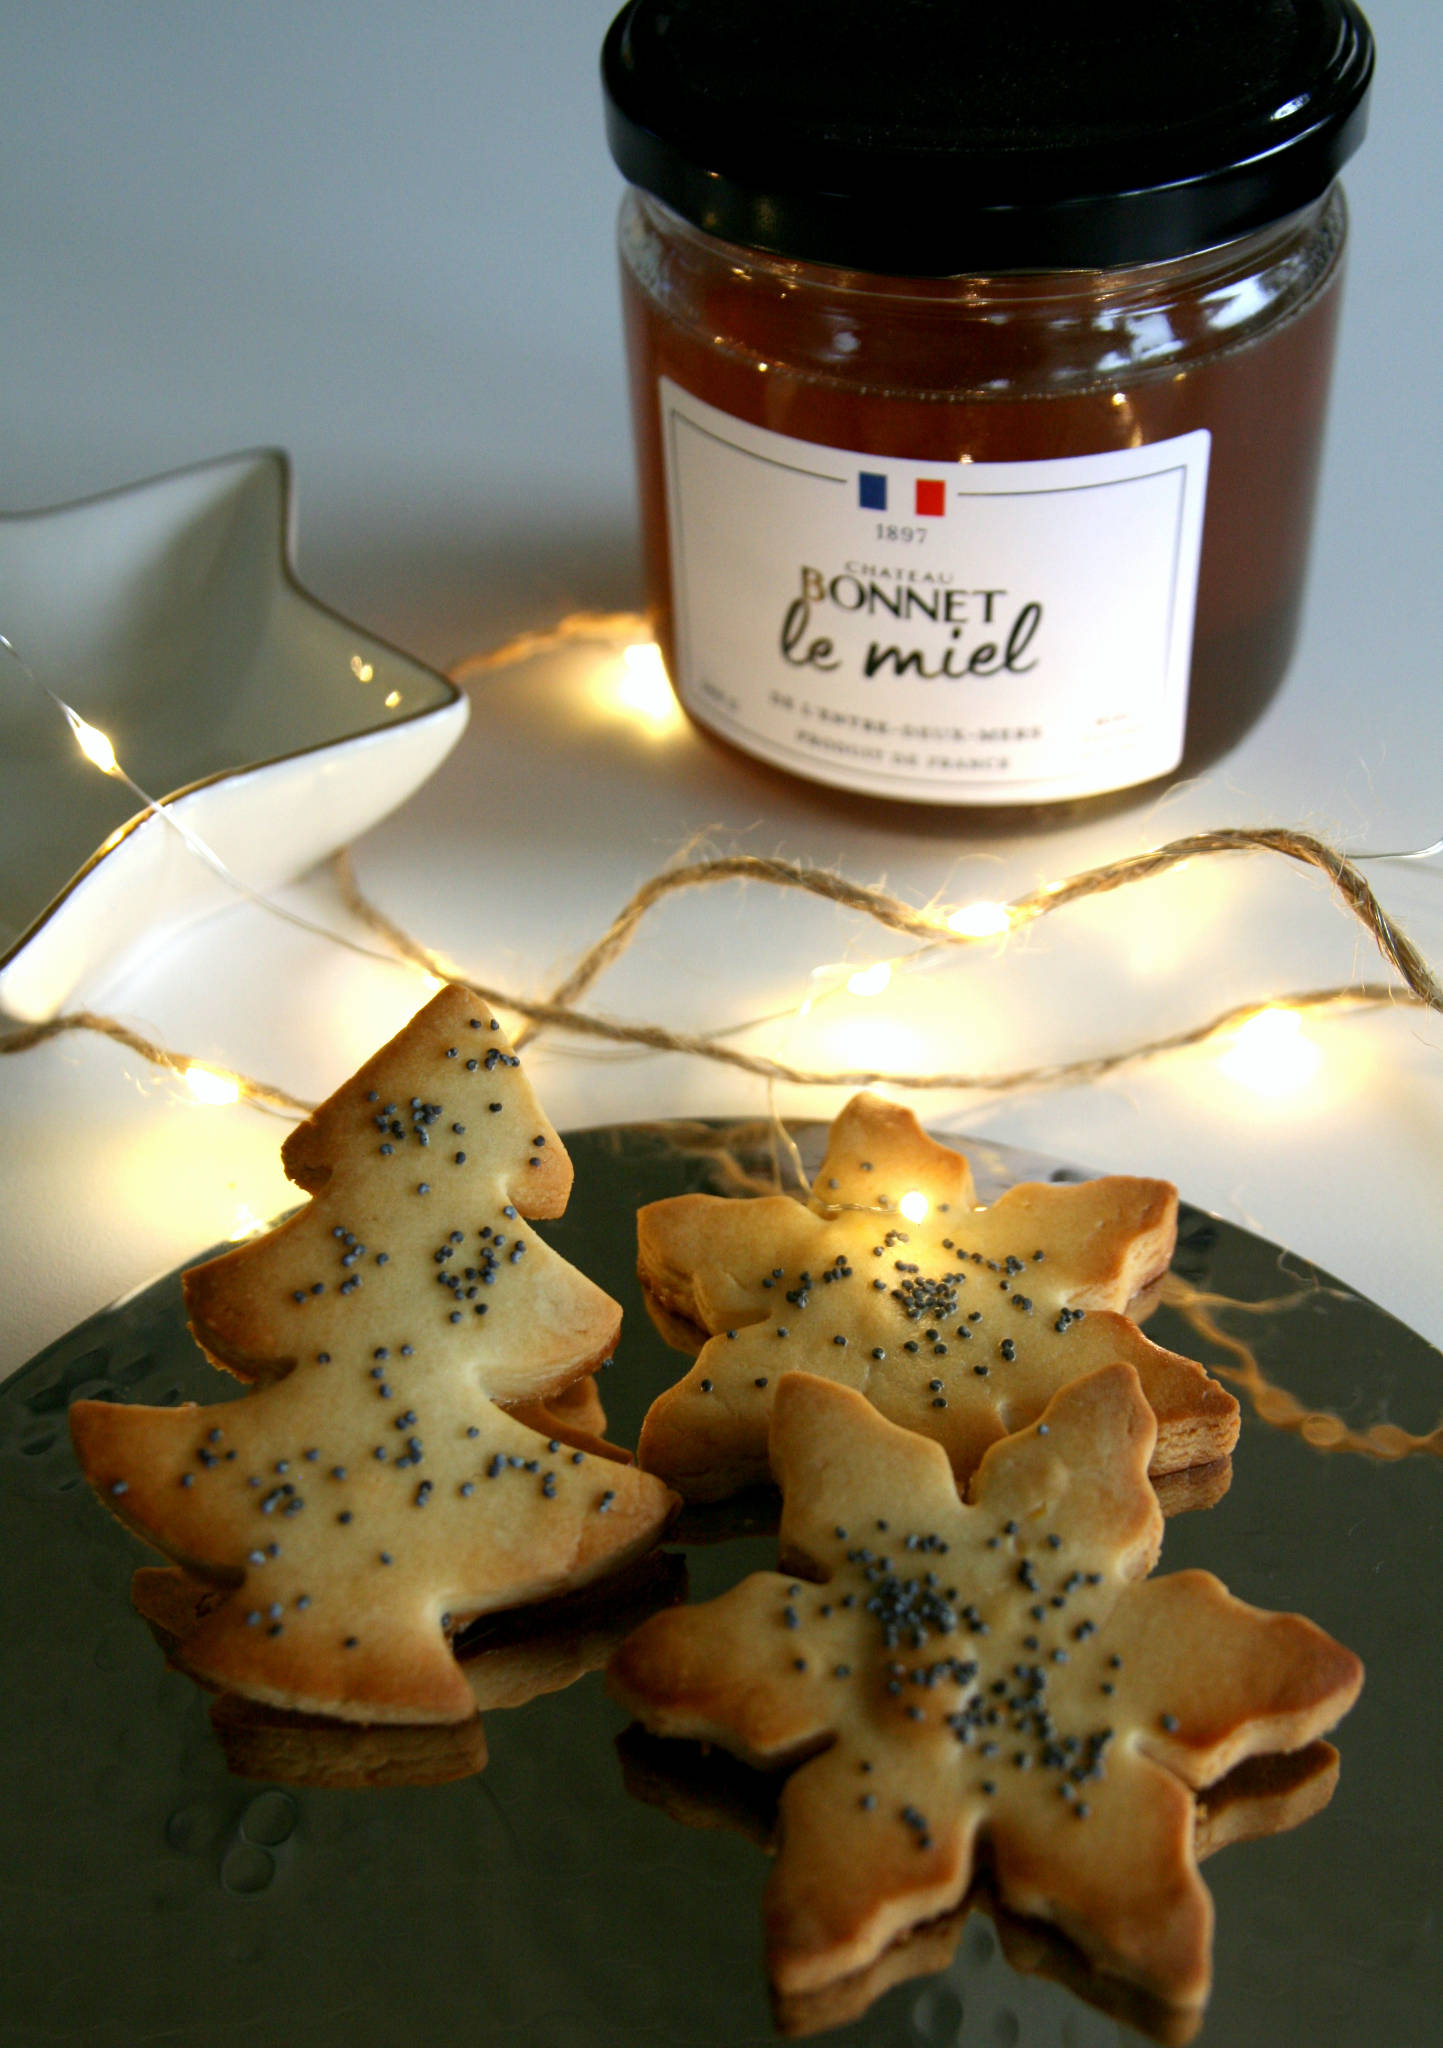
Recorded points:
(24,1037)
(1420,988)
(943,929)
(935,930)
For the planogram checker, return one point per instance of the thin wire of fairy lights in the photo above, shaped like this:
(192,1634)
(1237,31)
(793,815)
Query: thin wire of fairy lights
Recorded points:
(933,929)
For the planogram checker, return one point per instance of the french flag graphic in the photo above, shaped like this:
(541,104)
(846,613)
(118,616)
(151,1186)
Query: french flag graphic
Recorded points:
(930,494)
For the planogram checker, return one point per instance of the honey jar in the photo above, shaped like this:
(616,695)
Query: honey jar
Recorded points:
(980,360)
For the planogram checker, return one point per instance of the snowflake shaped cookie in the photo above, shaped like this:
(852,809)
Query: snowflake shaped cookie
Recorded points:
(371,1494)
(945,1676)
(957,1321)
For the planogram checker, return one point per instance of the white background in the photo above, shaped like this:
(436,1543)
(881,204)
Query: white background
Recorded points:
(380,236)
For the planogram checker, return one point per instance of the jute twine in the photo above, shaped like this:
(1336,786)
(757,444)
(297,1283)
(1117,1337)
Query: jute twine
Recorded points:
(558,1010)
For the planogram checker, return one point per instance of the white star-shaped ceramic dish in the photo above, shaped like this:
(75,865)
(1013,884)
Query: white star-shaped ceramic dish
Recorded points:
(168,616)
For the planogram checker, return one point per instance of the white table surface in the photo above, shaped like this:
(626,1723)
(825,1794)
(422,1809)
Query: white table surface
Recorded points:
(380,235)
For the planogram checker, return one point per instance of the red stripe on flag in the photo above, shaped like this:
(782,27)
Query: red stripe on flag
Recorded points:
(931,497)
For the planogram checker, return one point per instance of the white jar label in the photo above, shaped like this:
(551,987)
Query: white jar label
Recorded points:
(948,632)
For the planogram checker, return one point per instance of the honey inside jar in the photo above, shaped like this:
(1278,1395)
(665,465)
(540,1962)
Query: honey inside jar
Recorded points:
(989,453)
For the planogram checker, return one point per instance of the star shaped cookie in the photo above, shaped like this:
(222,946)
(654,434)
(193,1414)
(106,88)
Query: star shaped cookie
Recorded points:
(945,1676)
(957,1321)
(371,1495)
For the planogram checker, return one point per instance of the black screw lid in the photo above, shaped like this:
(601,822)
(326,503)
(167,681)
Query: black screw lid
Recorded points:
(930,137)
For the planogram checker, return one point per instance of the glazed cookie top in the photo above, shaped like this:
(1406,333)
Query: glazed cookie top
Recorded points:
(957,1321)
(943,1672)
(370,1496)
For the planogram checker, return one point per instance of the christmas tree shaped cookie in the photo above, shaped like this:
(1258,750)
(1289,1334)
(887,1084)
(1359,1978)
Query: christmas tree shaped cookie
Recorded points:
(957,1321)
(948,1676)
(370,1495)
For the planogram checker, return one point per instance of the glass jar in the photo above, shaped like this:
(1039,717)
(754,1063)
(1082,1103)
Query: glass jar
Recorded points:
(1018,533)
